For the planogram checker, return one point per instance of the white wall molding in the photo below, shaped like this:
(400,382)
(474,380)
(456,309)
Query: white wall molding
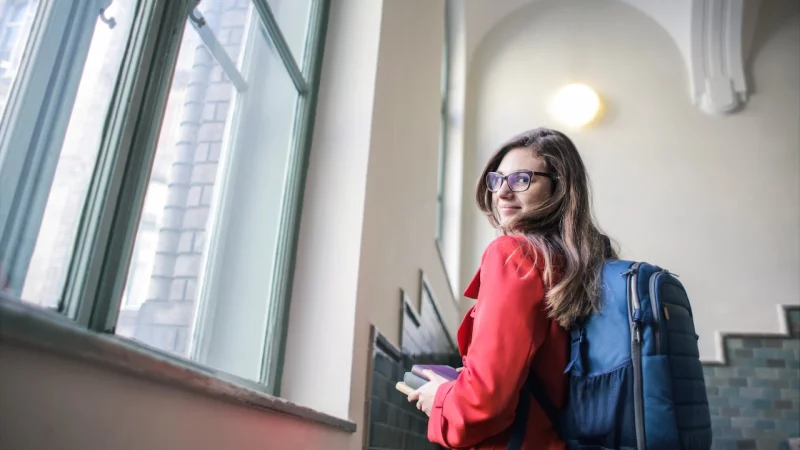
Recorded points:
(716,67)
(708,34)
(720,337)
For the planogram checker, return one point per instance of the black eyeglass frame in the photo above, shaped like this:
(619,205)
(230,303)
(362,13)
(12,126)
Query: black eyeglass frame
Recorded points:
(504,179)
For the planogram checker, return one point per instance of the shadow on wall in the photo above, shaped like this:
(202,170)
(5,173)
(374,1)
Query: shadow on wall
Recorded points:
(755,396)
(770,19)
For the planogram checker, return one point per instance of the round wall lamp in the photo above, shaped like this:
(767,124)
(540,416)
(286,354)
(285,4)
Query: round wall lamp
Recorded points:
(575,105)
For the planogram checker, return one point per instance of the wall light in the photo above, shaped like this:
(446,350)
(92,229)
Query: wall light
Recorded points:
(575,105)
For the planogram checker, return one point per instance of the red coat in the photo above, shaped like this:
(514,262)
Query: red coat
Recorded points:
(502,336)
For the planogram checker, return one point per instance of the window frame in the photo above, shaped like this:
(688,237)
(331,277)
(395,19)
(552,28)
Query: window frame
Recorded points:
(35,122)
(444,124)
(283,259)
(292,203)
(96,277)
(445,148)
(97,274)
(211,331)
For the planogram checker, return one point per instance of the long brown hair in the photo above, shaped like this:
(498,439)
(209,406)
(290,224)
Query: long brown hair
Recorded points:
(561,228)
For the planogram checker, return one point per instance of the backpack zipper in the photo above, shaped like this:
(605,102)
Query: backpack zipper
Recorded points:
(636,353)
(635,305)
(656,311)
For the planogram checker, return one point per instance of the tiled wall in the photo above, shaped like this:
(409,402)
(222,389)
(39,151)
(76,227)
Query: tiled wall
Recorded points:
(755,396)
(394,423)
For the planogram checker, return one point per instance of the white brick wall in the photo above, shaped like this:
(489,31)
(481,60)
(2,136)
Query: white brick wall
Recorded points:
(166,316)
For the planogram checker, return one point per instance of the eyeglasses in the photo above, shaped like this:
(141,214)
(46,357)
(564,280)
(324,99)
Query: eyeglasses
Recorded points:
(518,181)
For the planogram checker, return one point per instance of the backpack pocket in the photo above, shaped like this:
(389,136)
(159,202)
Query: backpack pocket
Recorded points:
(601,409)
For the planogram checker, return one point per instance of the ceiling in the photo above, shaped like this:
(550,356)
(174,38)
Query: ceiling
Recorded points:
(711,35)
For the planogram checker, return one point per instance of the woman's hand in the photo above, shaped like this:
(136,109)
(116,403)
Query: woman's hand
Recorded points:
(425,395)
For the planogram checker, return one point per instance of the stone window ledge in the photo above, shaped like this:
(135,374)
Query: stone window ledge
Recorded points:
(46,330)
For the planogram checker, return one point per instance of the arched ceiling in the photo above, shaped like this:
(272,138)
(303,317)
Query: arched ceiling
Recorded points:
(712,36)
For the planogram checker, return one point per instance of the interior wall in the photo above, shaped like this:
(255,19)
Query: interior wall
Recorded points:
(369,214)
(399,235)
(712,198)
(323,309)
(50,402)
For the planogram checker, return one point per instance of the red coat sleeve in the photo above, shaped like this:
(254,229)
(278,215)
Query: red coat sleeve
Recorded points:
(510,325)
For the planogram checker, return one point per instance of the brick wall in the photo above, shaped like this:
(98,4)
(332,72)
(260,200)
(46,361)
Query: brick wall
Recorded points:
(395,424)
(165,318)
(755,396)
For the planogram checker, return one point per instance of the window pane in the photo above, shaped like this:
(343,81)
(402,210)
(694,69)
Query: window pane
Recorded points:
(293,17)
(16,18)
(76,156)
(199,281)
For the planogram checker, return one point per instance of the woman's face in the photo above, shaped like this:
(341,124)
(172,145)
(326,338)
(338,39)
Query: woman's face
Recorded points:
(510,204)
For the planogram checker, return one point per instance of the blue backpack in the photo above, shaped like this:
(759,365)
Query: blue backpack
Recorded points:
(635,377)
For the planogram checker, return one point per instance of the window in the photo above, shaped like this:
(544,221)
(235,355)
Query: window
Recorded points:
(444,111)
(76,159)
(16,19)
(51,131)
(154,163)
(451,158)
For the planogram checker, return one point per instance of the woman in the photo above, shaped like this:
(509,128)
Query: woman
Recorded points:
(534,282)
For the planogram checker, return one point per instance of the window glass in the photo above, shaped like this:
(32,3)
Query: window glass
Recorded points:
(36,270)
(199,280)
(16,19)
(292,17)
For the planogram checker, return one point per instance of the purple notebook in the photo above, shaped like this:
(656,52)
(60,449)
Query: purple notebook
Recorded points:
(445,371)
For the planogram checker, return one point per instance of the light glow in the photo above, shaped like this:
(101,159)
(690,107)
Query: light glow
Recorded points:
(575,105)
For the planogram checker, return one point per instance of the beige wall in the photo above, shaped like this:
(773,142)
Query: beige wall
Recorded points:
(713,198)
(368,224)
(400,208)
(323,308)
(51,403)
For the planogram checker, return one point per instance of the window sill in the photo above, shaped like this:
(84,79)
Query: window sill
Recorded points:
(46,330)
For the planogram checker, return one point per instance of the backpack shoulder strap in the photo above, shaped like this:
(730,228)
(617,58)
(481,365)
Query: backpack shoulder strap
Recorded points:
(575,355)
(536,389)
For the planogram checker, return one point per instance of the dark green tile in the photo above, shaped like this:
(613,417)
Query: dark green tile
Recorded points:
(765,424)
(782,404)
(730,411)
(762,404)
(737,382)
(751,343)
(776,362)
(770,393)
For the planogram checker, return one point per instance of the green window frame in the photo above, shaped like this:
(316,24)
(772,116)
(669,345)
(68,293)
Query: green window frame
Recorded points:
(96,279)
(444,114)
